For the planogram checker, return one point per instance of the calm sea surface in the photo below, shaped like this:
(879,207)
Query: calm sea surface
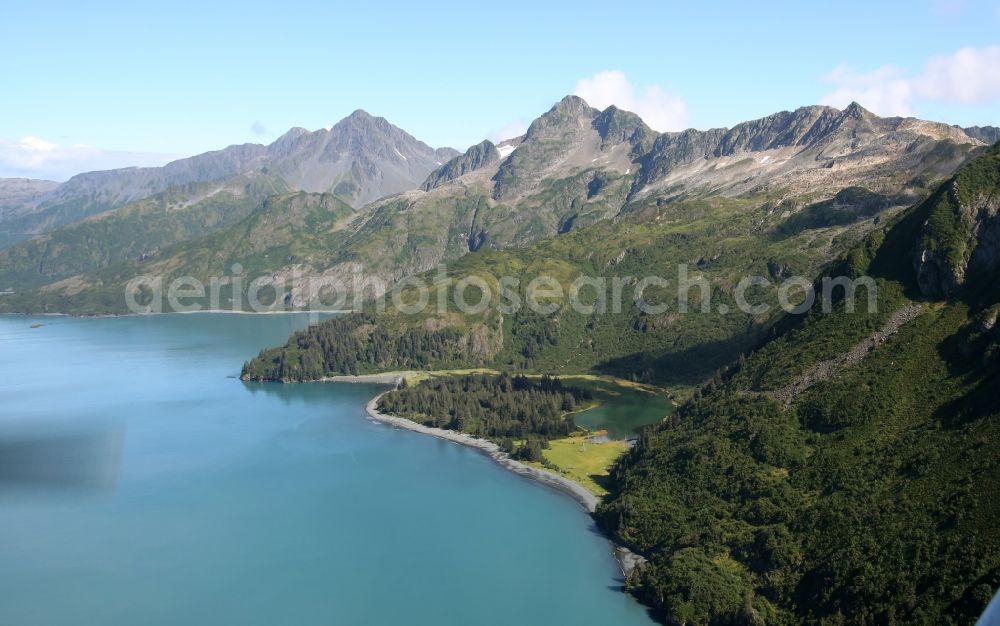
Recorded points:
(260,504)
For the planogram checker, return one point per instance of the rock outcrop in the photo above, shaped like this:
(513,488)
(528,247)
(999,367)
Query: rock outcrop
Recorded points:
(961,235)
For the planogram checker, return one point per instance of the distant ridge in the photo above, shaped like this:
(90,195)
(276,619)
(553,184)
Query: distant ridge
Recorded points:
(987,134)
(360,159)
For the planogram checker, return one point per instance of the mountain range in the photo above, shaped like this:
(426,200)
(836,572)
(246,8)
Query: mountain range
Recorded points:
(359,159)
(574,167)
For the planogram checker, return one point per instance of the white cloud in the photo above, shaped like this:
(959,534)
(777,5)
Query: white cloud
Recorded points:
(969,76)
(33,157)
(514,129)
(259,129)
(660,110)
(37,146)
(885,91)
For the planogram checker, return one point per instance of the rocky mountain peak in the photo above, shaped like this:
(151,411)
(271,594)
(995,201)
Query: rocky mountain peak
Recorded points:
(787,128)
(285,141)
(477,157)
(615,124)
(293,133)
(858,112)
(569,115)
(360,114)
(361,158)
(361,123)
(572,105)
(550,139)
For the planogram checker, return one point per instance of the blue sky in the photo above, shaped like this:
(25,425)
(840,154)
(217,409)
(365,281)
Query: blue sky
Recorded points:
(99,84)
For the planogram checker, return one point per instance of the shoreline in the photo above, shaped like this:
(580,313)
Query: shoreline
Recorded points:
(627,560)
(550,479)
(387,378)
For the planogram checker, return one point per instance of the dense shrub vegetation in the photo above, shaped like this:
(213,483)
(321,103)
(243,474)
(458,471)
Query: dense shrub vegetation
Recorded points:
(871,501)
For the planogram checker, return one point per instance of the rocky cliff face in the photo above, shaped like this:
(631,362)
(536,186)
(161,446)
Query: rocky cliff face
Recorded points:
(960,238)
(986,134)
(813,148)
(616,126)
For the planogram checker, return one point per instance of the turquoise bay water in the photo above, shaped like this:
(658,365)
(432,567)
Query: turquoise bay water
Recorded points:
(267,504)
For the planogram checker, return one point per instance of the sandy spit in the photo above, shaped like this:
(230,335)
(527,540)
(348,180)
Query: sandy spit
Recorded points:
(387,378)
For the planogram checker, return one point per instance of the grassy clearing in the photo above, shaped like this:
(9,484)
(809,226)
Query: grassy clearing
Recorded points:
(416,376)
(583,461)
(614,380)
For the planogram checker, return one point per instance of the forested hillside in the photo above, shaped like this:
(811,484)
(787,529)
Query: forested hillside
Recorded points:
(136,232)
(867,495)
(720,240)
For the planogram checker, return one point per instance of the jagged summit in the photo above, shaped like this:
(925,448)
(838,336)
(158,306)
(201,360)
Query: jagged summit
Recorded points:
(857,111)
(572,104)
(293,132)
(774,151)
(617,125)
(362,121)
(360,159)
(475,158)
(564,116)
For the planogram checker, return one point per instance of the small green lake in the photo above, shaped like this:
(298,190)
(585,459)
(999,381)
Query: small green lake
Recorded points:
(623,410)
